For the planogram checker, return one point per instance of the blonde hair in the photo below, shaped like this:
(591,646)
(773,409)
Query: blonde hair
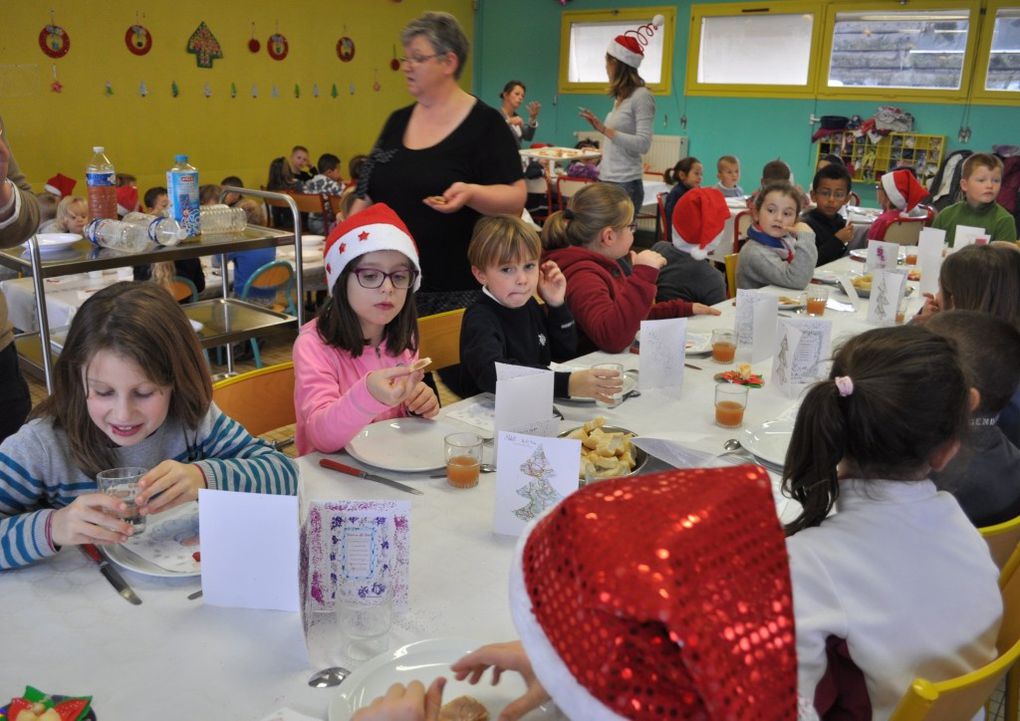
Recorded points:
(501,239)
(163,274)
(254,210)
(592,208)
(67,205)
(726,160)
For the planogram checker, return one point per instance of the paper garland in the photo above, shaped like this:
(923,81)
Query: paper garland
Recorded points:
(204,45)
(138,40)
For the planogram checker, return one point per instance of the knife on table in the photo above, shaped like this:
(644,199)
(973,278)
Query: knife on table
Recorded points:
(112,574)
(358,473)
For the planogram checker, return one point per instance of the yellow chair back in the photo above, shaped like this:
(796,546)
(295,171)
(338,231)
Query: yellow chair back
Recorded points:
(261,400)
(439,338)
(1002,539)
(731,274)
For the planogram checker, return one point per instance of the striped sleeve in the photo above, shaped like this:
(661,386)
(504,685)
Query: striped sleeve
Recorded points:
(234,460)
(23,524)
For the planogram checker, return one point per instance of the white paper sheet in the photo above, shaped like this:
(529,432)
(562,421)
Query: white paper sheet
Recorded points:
(881,255)
(662,353)
(969,235)
(804,344)
(523,396)
(929,258)
(532,474)
(886,291)
(479,411)
(755,325)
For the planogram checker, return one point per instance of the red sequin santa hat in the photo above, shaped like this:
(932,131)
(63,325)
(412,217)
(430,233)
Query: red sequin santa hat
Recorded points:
(375,228)
(903,189)
(698,219)
(665,596)
(60,185)
(127,199)
(629,47)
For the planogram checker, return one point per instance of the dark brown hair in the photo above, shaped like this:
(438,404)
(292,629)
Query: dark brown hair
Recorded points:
(980,160)
(684,165)
(508,88)
(909,398)
(338,324)
(985,278)
(775,170)
(778,186)
(624,80)
(141,322)
(592,208)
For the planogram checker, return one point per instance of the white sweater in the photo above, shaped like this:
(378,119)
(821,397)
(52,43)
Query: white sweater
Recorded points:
(632,120)
(901,575)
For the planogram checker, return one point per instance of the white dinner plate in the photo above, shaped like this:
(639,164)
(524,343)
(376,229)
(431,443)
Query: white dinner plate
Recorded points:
(698,344)
(862,254)
(425,661)
(826,277)
(629,384)
(312,241)
(793,302)
(49,242)
(769,440)
(408,445)
(128,559)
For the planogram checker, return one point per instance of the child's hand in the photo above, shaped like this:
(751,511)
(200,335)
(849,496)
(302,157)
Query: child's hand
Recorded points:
(456,197)
(87,520)
(702,309)
(552,284)
(598,383)
(846,233)
(392,386)
(423,401)
(931,307)
(175,483)
(649,258)
(504,657)
(410,703)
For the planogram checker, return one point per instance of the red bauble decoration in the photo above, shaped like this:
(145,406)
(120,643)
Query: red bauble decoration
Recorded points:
(345,49)
(54,41)
(254,45)
(277,46)
(138,39)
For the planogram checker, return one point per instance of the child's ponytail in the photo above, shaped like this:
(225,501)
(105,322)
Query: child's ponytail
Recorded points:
(554,231)
(684,165)
(592,208)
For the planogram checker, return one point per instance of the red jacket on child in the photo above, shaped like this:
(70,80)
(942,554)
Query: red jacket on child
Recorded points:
(607,303)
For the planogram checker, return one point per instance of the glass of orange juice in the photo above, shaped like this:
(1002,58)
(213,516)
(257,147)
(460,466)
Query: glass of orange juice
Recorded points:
(911,255)
(730,402)
(724,345)
(817,297)
(463,459)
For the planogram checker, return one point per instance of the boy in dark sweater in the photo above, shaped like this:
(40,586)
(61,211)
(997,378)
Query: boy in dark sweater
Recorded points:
(985,473)
(830,191)
(507,325)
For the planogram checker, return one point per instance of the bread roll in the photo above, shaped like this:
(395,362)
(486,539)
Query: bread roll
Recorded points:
(463,708)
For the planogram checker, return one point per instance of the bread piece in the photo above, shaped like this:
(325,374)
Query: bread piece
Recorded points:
(463,708)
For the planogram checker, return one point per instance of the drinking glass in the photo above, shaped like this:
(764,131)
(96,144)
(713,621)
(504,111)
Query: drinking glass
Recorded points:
(724,345)
(463,459)
(618,396)
(817,297)
(122,483)
(730,402)
(365,620)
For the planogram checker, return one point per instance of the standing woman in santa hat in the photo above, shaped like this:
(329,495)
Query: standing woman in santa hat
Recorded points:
(628,126)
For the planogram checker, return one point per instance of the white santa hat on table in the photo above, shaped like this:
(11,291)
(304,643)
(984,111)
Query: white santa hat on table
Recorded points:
(661,596)
(903,189)
(698,220)
(629,47)
(375,228)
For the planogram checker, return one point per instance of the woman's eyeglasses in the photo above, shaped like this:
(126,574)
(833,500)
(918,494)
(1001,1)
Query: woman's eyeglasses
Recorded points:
(419,60)
(371,278)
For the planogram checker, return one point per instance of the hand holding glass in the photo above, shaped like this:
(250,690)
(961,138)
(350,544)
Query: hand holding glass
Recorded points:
(122,484)
(610,370)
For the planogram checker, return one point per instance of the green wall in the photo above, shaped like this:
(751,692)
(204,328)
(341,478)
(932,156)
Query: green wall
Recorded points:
(521,40)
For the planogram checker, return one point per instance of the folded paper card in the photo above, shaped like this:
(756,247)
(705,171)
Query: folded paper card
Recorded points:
(803,347)
(757,313)
(881,255)
(524,396)
(969,235)
(249,549)
(663,345)
(887,288)
(929,258)
(533,473)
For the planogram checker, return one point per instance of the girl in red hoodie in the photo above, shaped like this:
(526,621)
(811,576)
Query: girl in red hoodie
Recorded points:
(607,297)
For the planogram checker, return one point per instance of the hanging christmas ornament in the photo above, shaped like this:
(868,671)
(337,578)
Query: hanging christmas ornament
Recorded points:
(254,45)
(277,45)
(109,88)
(334,92)
(207,90)
(315,90)
(297,90)
(55,86)
(375,83)
(54,40)
(204,45)
(233,90)
(175,90)
(143,89)
(395,62)
(351,88)
(275,92)
(138,39)
(254,91)
(345,49)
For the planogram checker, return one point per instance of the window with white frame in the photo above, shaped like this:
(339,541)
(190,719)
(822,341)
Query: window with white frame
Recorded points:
(587,53)
(768,49)
(1004,58)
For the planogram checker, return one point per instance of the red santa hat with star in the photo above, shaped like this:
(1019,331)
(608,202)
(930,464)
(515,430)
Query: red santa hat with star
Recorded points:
(375,228)
(629,47)
(903,189)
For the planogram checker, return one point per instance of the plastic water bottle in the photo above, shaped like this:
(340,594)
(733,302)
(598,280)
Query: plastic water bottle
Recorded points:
(182,187)
(101,181)
(223,219)
(161,229)
(118,235)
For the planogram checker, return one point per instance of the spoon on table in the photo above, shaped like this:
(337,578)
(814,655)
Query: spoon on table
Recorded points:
(327,677)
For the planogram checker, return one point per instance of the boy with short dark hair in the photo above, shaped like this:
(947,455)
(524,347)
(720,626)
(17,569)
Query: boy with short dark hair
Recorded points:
(728,171)
(985,473)
(776,171)
(980,181)
(830,191)
(327,181)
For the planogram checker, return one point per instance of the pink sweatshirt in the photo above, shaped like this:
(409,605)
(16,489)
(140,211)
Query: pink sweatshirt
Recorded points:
(331,398)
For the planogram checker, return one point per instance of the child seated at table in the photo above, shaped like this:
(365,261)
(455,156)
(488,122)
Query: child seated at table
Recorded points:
(985,475)
(607,299)
(326,182)
(232,199)
(980,181)
(131,388)
(696,228)
(828,159)
(156,201)
(898,193)
(127,200)
(72,215)
(507,325)
(209,194)
(830,191)
(352,364)
(588,168)
(247,262)
(728,172)
(775,253)
(777,171)
(683,176)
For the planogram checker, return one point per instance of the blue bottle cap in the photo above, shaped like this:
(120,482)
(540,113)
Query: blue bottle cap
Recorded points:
(181,158)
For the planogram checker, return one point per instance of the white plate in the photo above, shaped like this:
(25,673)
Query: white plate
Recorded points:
(55,241)
(698,344)
(126,558)
(424,661)
(629,384)
(862,254)
(826,277)
(769,440)
(793,305)
(408,445)
(312,241)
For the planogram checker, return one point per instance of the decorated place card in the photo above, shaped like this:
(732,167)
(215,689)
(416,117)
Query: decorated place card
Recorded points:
(249,549)
(663,349)
(802,348)
(755,325)
(532,474)
(886,292)
(881,255)
(929,258)
(969,235)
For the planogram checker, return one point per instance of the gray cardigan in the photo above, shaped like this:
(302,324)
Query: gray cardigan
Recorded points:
(760,265)
(632,120)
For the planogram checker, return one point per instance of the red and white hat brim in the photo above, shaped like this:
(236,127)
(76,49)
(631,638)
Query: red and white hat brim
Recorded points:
(889,186)
(53,190)
(379,236)
(624,55)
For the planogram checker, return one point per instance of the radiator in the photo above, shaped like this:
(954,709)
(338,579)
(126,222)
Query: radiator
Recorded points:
(665,150)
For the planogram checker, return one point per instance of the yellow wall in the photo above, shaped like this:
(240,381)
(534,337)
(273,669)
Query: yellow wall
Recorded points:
(51,132)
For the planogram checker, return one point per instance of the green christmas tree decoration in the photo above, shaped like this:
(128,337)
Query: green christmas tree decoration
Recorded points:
(334,92)
(174,89)
(204,46)
(297,90)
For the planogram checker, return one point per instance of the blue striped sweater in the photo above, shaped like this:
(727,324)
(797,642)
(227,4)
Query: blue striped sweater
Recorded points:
(37,475)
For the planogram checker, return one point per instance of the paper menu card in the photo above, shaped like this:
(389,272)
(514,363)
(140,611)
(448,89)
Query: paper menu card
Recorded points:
(478,411)
(881,255)
(532,474)
(663,352)
(887,288)
(804,345)
(847,284)
(755,325)
(929,258)
(523,396)
(969,235)
(249,549)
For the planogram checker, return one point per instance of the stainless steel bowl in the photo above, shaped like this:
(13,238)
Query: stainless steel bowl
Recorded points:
(640,457)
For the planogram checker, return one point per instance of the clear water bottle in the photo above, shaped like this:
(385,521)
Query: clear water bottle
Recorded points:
(118,235)
(161,229)
(223,219)
(102,184)
(182,187)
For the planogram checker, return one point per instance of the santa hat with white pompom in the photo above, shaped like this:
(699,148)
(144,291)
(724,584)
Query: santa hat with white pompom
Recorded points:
(629,47)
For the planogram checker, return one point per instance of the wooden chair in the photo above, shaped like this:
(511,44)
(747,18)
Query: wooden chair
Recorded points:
(567,185)
(962,697)
(905,231)
(662,226)
(261,400)
(731,274)
(183,289)
(854,200)
(1003,539)
(276,277)
(306,203)
(930,214)
(439,338)
(539,186)
(741,222)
